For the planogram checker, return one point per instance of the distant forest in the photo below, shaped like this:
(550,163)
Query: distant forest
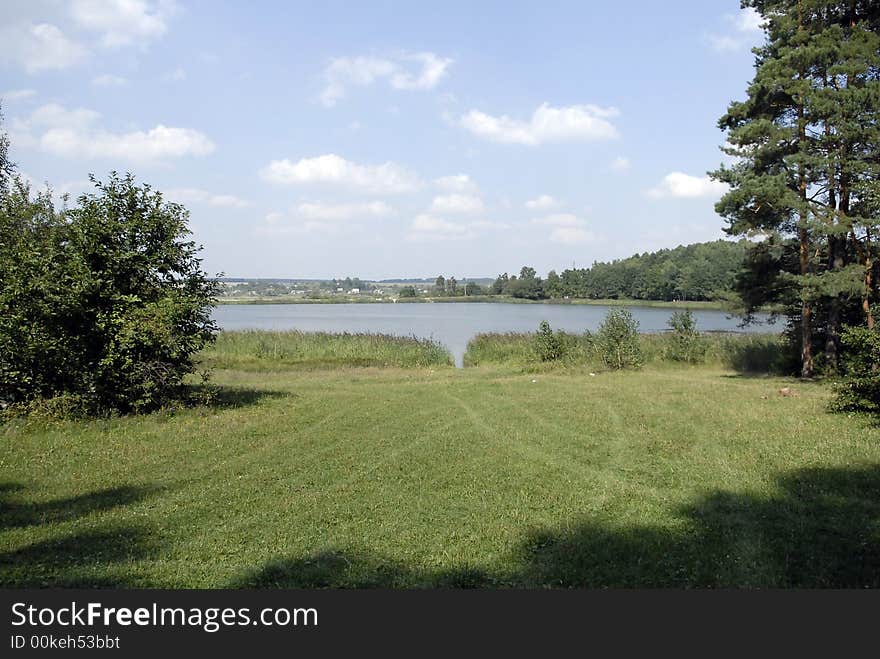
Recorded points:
(702,271)
(699,272)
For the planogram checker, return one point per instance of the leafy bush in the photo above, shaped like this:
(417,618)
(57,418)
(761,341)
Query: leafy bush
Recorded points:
(684,343)
(617,340)
(548,346)
(859,391)
(104,303)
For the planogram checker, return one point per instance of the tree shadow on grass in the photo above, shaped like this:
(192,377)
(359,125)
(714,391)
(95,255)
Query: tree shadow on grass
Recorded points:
(15,513)
(228,397)
(342,569)
(95,558)
(822,530)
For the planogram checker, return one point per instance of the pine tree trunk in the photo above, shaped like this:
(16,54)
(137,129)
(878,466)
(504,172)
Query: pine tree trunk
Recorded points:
(804,249)
(832,336)
(869,284)
(806,311)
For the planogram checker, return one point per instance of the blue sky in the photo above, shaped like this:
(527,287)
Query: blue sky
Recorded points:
(384,139)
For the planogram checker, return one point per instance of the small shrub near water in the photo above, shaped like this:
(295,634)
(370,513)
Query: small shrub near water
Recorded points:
(684,344)
(618,340)
(548,346)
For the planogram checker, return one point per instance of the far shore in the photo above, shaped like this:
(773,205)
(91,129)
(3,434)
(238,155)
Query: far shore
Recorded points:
(474,299)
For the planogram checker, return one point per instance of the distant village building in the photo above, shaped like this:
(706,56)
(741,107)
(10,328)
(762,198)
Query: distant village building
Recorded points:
(354,291)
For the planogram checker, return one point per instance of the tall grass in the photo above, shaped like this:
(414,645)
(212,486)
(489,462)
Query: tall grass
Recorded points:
(263,350)
(746,353)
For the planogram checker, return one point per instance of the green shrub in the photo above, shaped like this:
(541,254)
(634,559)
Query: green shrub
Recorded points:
(859,391)
(684,342)
(617,340)
(102,306)
(547,345)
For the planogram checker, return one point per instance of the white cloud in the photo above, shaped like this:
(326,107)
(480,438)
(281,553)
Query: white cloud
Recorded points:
(340,212)
(457,203)
(432,224)
(364,70)
(199,196)
(17,95)
(73,133)
(567,229)
(559,220)
(685,186)
(620,164)
(489,224)
(543,202)
(109,80)
(547,124)
(433,69)
(318,217)
(123,22)
(429,227)
(38,47)
(50,35)
(456,183)
(748,20)
(571,236)
(387,178)
(177,75)
(745,29)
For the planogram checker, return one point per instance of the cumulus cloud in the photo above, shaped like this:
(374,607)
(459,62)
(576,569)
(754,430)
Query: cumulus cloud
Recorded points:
(320,217)
(199,196)
(123,22)
(456,183)
(542,202)
(428,227)
(63,132)
(685,186)
(457,203)
(744,29)
(547,124)
(38,47)
(39,36)
(415,71)
(387,178)
(339,212)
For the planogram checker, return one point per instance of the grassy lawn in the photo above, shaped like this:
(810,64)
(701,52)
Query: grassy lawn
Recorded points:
(361,477)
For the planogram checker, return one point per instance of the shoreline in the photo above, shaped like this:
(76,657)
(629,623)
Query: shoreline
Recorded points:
(482,299)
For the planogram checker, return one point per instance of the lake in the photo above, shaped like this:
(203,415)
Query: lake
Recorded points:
(453,323)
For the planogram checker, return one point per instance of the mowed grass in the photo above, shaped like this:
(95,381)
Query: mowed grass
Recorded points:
(427,477)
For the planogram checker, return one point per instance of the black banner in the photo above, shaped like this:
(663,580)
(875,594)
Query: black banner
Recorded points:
(146,622)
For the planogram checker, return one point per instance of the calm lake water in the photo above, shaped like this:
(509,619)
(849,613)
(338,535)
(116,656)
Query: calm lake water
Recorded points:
(452,324)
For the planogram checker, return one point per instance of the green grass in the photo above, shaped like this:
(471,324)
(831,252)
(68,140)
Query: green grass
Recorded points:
(258,350)
(425,477)
(751,353)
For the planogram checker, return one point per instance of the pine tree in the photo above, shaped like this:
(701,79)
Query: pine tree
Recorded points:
(806,145)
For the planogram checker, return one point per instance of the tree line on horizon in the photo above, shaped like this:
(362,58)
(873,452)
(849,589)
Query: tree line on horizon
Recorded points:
(696,272)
